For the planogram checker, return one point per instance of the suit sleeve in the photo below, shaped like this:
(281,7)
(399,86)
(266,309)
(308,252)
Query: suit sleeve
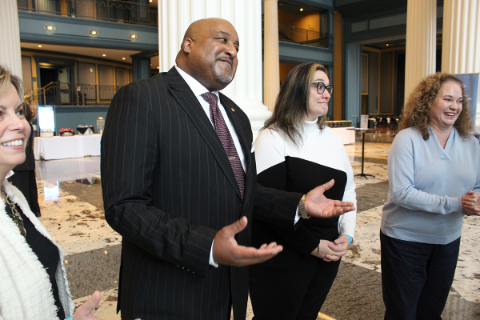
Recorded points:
(271,166)
(129,161)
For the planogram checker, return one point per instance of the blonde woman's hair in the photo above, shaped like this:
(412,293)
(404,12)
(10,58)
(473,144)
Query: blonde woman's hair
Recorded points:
(6,78)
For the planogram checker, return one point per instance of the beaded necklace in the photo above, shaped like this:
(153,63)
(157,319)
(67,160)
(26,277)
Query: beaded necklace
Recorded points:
(16,217)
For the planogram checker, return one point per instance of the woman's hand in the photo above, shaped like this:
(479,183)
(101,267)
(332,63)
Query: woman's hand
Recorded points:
(84,312)
(328,251)
(340,246)
(341,243)
(471,203)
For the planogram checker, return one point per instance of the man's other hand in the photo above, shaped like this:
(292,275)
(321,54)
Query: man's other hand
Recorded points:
(226,250)
(317,205)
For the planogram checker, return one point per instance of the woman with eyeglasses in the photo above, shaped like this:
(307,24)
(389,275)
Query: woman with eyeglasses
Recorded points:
(296,152)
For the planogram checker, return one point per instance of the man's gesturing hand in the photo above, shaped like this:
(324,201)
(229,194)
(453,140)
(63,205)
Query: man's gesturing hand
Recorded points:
(317,205)
(226,250)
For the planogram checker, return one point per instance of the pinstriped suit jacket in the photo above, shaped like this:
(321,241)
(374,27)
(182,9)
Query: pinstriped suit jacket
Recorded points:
(168,188)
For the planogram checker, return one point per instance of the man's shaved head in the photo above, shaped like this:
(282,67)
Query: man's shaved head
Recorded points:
(209,52)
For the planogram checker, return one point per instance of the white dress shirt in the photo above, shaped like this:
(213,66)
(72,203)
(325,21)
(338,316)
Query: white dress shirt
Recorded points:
(198,89)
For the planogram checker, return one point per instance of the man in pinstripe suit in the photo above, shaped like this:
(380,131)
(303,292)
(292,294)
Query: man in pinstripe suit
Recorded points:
(170,191)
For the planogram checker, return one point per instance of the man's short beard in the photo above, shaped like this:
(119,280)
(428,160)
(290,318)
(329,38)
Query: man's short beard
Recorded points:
(224,78)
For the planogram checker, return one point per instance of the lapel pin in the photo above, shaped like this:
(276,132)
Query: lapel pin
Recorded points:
(233,110)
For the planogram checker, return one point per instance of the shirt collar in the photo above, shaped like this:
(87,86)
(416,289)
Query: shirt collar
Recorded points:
(197,88)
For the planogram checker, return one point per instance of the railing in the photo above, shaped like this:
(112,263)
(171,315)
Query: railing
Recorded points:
(302,36)
(73,94)
(36,97)
(107,10)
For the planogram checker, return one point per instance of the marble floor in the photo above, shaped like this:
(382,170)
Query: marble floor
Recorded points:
(72,211)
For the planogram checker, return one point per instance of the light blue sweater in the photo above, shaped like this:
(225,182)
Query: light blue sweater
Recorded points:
(426,183)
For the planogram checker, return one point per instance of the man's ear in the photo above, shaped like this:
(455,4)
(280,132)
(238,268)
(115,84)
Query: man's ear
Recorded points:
(187,45)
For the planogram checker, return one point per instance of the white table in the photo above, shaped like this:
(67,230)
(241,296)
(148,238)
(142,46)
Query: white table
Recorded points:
(67,147)
(347,134)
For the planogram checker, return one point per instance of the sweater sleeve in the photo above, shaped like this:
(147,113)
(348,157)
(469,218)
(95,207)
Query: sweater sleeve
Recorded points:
(401,173)
(271,168)
(476,152)
(347,221)
(269,151)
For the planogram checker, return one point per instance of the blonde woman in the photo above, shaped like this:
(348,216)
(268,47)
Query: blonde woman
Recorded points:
(33,281)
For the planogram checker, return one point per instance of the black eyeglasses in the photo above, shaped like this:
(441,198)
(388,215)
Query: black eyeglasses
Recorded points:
(321,87)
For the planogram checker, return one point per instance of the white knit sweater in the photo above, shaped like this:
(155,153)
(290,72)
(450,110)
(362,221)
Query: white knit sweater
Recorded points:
(25,288)
(324,147)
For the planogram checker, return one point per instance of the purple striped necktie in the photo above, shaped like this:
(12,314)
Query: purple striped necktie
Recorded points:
(226,139)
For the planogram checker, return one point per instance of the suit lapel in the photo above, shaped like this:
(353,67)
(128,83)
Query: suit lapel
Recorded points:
(185,98)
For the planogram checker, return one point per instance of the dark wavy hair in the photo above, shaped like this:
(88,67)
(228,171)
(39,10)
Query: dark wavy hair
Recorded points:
(417,109)
(292,102)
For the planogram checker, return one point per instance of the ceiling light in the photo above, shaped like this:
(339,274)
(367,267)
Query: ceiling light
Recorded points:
(387,45)
(104,55)
(150,0)
(93,32)
(301,9)
(123,58)
(50,28)
(133,36)
(39,45)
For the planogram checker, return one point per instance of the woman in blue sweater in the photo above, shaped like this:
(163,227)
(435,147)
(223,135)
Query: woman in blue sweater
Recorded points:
(434,174)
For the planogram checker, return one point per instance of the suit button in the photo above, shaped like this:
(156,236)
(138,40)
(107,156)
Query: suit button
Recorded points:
(193,271)
(183,268)
(178,266)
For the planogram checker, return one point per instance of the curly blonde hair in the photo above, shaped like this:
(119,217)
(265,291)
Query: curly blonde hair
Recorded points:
(417,109)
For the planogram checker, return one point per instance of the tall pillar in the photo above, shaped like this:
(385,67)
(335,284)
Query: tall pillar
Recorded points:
(10,54)
(337,66)
(461,41)
(353,95)
(421,42)
(140,68)
(141,65)
(271,61)
(174,17)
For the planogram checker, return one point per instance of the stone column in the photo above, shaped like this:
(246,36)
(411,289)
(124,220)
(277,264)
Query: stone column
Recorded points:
(271,61)
(461,41)
(140,68)
(174,17)
(10,54)
(421,42)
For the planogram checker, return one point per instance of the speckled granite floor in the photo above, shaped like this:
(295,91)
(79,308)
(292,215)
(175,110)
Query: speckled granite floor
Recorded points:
(72,211)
